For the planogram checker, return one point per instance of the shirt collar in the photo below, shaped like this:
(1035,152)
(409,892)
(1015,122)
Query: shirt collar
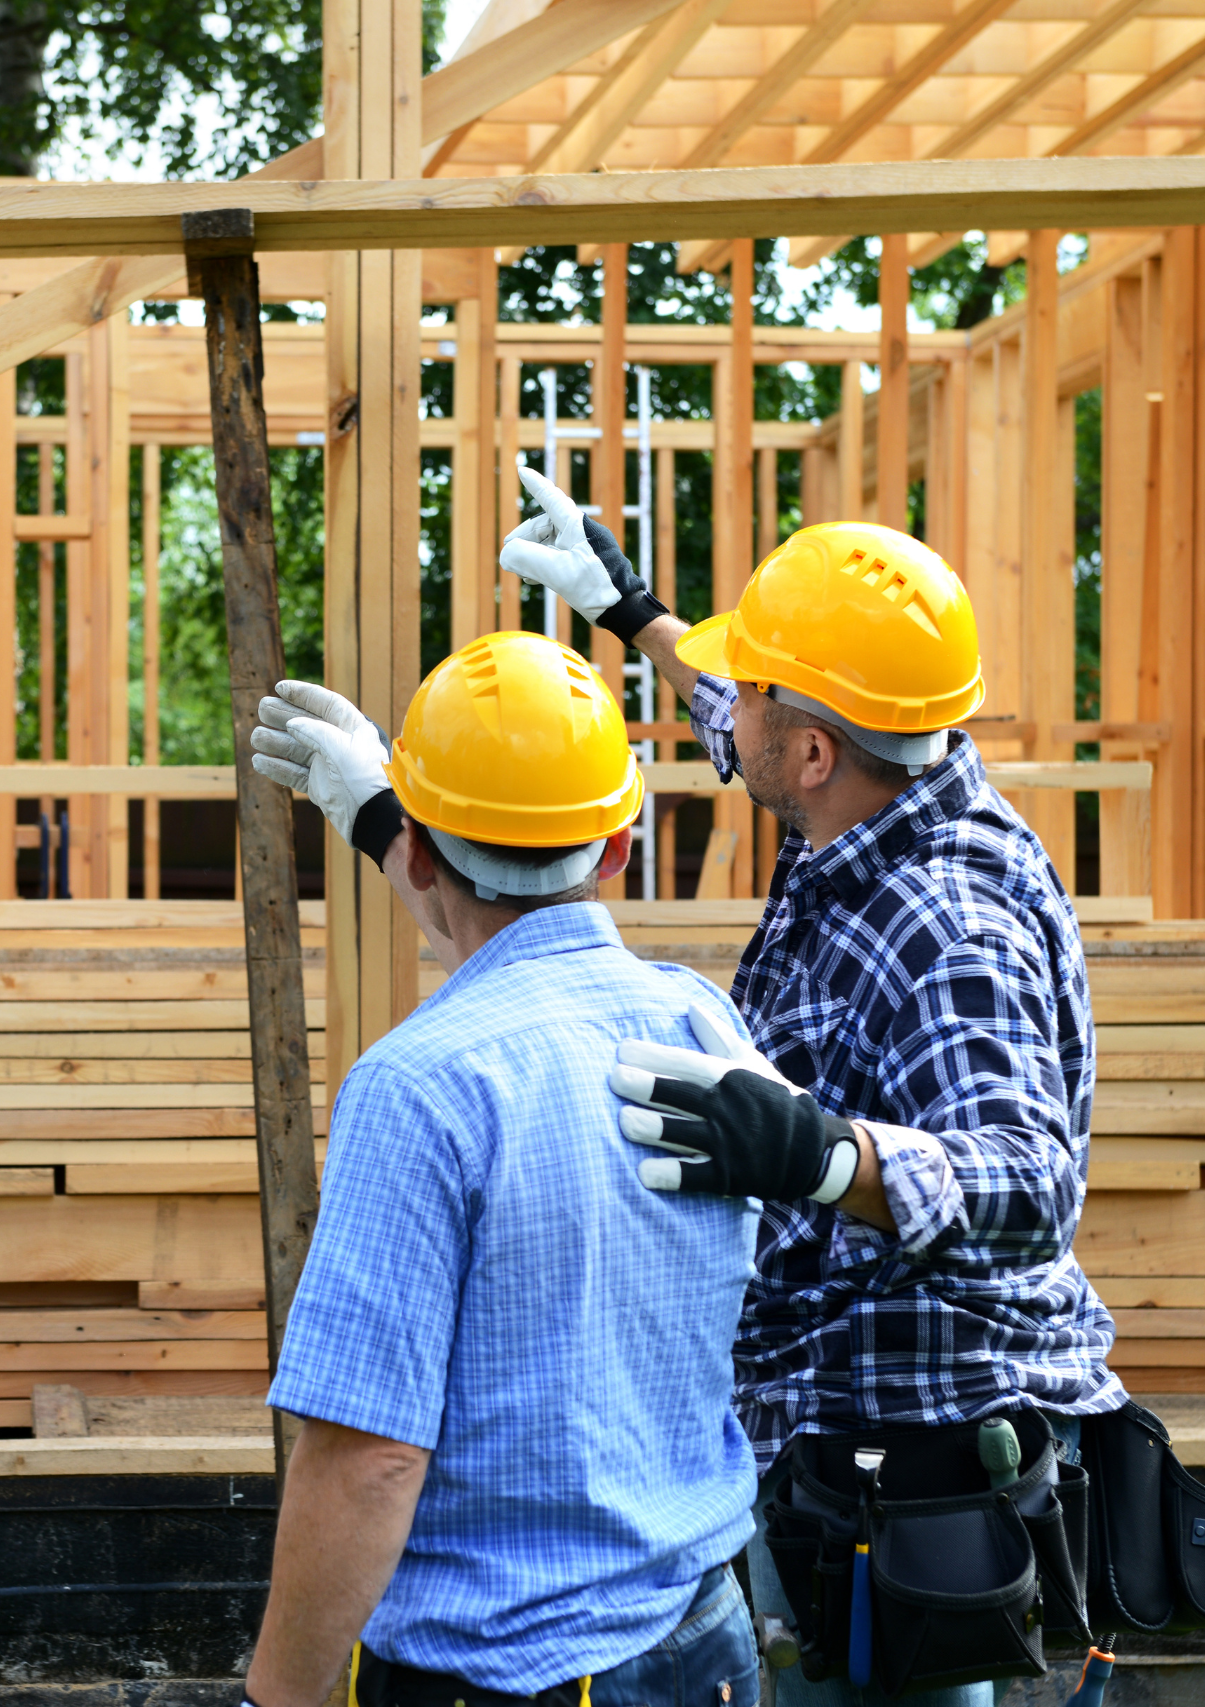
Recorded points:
(549,930)
(856,859)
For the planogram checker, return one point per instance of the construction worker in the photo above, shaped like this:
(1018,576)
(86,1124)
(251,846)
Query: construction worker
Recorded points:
(917,1118)
(520,1477)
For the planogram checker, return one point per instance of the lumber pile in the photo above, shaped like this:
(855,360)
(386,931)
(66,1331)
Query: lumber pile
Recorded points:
(130,1246)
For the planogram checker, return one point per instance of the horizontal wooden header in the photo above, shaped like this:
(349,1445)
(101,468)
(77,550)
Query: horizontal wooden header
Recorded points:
(38,218)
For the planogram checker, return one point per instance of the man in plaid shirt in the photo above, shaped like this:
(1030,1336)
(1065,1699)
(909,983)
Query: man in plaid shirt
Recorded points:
(918,969)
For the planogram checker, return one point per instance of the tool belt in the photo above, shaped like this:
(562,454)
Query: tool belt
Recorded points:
(963,1578)
(380,1683)
(1147,1546)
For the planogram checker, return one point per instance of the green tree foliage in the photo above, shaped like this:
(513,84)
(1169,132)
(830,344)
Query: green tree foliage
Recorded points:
(137,73)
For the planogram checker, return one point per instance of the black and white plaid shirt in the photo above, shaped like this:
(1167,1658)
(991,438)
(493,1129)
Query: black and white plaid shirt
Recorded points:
(924,973)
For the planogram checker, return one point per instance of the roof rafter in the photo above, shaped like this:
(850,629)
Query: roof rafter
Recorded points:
(1037,78)
(1152,89)
(833,22)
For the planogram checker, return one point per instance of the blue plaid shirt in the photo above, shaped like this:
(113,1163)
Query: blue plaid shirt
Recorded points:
(489,1279)
(924,974)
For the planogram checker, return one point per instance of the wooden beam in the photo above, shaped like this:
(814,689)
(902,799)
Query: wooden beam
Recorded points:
(894,285)
(75,300)
(8,627)
(510,608)
(118,661)
(488,543)
(737,813)
(283,1119)
(850,451)
(582,141)
(763,201)
(1037,78)
(609,402)
(798,59)
(466,88)
(1157,87)
(925,63)
(466,473)
(151,489)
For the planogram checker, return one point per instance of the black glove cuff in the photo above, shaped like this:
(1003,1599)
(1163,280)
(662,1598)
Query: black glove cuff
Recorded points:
(835,1129)
(633,612)
(378,821)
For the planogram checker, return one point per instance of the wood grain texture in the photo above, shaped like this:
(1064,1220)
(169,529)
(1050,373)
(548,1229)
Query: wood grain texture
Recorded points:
(219,1455)
(284,1128)
(759,201)
(101,1327)
(135,1238)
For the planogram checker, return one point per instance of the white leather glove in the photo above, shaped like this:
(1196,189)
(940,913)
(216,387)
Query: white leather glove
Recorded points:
(552,551)
(315,741)
(732,1123)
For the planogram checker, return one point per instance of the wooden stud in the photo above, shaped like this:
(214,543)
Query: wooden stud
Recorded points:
(1174,859)
(609,464)
(341,117)
(96,662)
(150,662)
(283,1120)
(1125,851)
(736,811)
(509,586)
(466,474)
(78,626)
(487,410)
(850,452)
(666,541)
(8,627)
(894,285)
(46,655)
(814,479)
(118,850)
(1047,620)
(767,502)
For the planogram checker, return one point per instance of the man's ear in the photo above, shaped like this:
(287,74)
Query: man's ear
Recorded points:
(420,867)
(815,756)
(616,855)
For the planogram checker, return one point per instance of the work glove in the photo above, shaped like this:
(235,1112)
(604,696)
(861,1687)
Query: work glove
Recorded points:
(316,741)
(577,557)
(734,1124)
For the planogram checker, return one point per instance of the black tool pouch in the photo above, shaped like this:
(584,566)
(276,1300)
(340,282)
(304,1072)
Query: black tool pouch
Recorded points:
(963,1578)
(1147,1540)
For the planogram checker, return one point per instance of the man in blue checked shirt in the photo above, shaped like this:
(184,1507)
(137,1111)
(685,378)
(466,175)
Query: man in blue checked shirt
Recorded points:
(520,1477)
(915,1111)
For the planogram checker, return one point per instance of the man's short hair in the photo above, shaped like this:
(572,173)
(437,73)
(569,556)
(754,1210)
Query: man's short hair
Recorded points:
(534,858)
(780,717)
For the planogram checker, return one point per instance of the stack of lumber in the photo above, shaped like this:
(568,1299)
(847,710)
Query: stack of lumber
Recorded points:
(130,1247)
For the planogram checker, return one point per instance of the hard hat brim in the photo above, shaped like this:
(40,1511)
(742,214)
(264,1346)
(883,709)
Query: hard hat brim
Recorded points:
(702,647)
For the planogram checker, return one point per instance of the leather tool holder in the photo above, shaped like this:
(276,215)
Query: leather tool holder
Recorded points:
(964,1579)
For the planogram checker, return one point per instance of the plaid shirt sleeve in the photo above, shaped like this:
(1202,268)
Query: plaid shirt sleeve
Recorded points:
(371,1328)
(711,723)
(982,1169)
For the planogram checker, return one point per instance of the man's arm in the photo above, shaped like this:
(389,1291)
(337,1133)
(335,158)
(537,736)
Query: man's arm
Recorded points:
(348,1505)
(657,641)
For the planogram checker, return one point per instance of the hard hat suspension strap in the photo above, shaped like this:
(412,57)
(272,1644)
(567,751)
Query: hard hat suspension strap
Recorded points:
(912,751)
(493,875)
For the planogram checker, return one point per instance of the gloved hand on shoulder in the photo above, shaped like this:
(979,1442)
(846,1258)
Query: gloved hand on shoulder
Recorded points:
(577,557)
(729,1121)
(315,741)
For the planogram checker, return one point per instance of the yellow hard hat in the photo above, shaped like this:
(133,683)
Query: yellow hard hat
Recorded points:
(861,619)
(516,740)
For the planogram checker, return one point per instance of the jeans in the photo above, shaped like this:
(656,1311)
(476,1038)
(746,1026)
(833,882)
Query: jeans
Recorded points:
(709,1660)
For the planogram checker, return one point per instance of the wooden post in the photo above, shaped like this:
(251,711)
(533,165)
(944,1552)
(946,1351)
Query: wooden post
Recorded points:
(466,474)
(46,632)
(767,502)
(1048,614)
(667,699)
(1175,860)
(813,477)
(118,691)
(1125,849)
(79,554)
(610,462)
(893,383)
(8,626)
(510,610)
(488,543)
(850,451)
(735,811)
(150,661)
(280,1060)
(96,661)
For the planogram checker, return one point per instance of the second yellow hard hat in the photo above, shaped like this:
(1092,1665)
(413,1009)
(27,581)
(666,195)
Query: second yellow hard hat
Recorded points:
(516,740)
(862,619)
